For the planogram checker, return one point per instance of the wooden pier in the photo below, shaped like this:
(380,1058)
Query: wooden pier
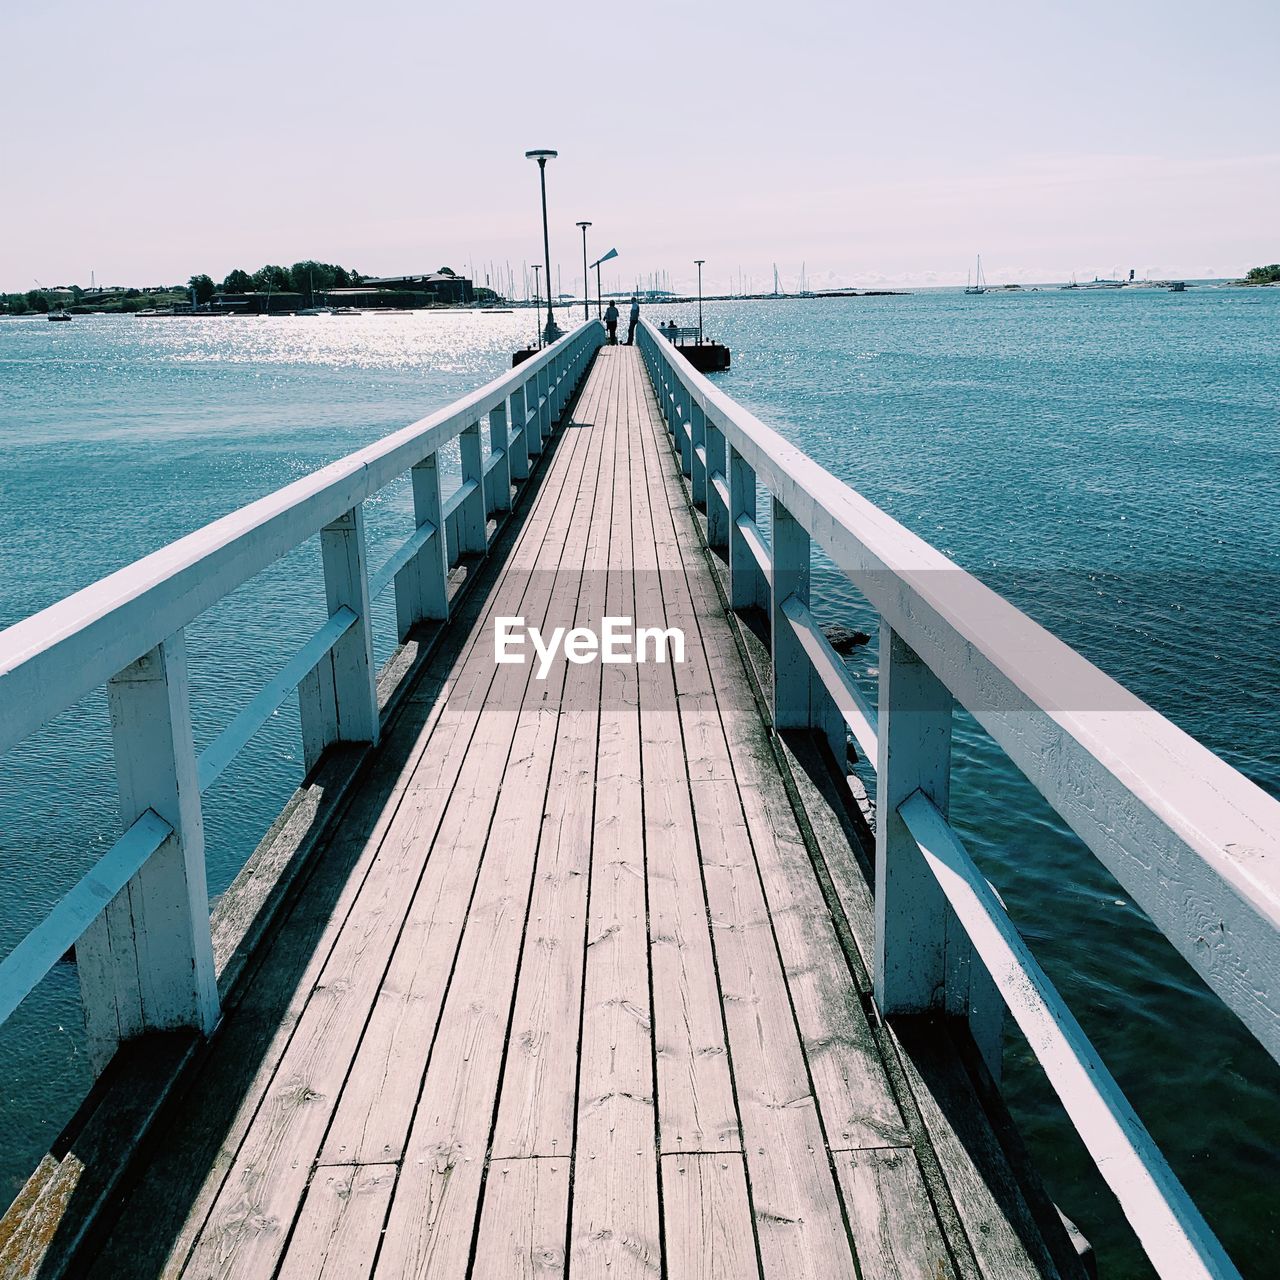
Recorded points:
(595,973)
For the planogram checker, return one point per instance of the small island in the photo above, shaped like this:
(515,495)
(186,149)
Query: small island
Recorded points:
(1262,275)
(305,287)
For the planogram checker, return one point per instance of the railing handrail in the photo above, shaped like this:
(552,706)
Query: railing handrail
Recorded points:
(53,658)
(1140,792)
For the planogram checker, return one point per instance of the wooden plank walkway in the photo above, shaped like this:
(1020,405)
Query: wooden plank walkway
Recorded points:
(563,992)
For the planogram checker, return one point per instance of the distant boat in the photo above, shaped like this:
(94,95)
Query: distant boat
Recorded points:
(979,285)
(58,315)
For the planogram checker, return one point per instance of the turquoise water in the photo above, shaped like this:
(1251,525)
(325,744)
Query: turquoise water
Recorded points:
(1111,461)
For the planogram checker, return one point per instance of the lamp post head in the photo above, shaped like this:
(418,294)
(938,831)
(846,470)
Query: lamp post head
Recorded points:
(583,225)
(699,261)
(541,155)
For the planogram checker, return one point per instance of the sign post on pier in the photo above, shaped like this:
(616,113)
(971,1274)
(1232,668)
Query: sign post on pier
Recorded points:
(552,331)
(613,253)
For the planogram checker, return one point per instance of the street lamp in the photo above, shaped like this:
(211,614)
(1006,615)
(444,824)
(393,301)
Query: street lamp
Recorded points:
(586,283)
(699,261)
(613,253)
(552,331)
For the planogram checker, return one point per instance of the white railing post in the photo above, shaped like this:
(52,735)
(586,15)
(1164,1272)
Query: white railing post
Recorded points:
(338,698)
(498,444)
(472,517)
(422,586)
(698,435)
(559,372)
(717,508)
(542,411)
(686,430)
(800,699)
(923,958)
(146,963)
(745,586)
(519,435)
(914,755)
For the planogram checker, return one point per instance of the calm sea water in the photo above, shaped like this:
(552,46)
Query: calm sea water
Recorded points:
(1111,461)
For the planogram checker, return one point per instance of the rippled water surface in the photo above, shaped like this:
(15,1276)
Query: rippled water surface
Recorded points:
(1111,461)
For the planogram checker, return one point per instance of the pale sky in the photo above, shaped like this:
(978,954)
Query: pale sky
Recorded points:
(876,143)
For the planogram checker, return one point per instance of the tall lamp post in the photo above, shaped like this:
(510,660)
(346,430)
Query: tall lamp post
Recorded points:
(552,331)
(699,261)
(586,280)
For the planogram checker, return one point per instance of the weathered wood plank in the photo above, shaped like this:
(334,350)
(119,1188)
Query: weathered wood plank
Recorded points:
(539,1087)
(522,1226)
(895,1231)
(696,1109)
(340,1223)
(614,1224)
(705,1206)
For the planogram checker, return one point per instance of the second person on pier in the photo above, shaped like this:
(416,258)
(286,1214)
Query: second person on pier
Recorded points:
(611,323)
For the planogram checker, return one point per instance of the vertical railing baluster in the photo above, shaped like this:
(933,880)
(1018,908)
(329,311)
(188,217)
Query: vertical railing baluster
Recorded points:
(543,421)
(686,430)
(519,434)
(472,517)
(800,699)
(422,586)
(338,698)
(914,755)
(498,444)
(146,963)
(746,589)
(717,508)
(698,430)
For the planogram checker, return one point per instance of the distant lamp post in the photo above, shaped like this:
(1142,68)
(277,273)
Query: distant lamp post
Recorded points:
(537,294)
(699,261)
(586,280)
(552,331)
(613,253)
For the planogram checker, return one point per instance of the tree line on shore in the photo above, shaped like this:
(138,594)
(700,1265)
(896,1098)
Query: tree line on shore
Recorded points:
(306,278)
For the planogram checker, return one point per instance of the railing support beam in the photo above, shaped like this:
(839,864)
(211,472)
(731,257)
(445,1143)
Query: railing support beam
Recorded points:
(519,434)
(338,699)
(746,588)
(422,586)
(924,960)
(800,699)
(500,476)
(698,456)
(472,537)
(146,963)
(718,516)
(915,755)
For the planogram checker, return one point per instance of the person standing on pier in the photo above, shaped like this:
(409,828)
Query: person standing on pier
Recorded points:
(633,320)
(611,323)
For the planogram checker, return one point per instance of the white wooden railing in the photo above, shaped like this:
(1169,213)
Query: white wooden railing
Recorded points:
(1193,842)
(139,919)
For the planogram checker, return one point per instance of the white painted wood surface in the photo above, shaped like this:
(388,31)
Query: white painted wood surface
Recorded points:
(1166,1220)
(146,963)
